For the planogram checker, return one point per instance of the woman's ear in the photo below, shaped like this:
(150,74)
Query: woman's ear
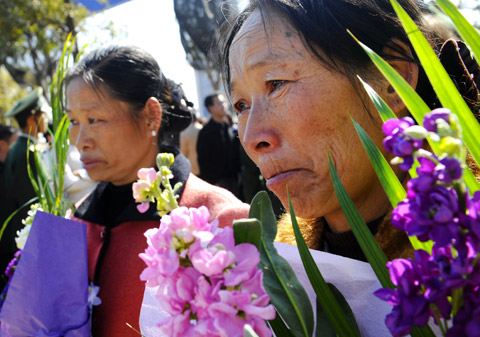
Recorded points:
(397,54)
(153,112)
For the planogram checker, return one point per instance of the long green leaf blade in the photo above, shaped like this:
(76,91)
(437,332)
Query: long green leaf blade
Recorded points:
(279,327)
(6,222)
(286,292)
(468,33)
(385,112)
(390,183)
(392,186)
(367,242)
(414,103)
(412,100)
(442,83)
(370,248)
(331,307)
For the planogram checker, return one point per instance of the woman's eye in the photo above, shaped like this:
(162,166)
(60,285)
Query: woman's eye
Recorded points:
(92,120)
(73,122)
(240,107)
(274,85)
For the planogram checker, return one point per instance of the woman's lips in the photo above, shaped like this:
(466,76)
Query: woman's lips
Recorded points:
(281,178)
(89,164)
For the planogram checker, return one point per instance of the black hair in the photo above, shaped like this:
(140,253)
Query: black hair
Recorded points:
(132,75)
(323,25)
(209,100)
(6,132)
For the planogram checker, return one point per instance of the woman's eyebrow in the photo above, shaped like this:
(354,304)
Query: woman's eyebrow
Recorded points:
(262,63)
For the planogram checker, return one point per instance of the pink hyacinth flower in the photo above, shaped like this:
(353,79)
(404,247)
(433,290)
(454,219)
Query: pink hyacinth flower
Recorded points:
(177,290)
(212,261)
(247,259)
(147,174)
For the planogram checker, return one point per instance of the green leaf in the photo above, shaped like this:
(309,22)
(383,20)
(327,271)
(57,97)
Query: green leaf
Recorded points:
(248,230)
(444,87)
(424,331)
(392,186)
(336,316)
(390,183)
(412,100)
(6,222)
(385,112)
(279,327)
(261,209)
(286,292)
(367,242)
(345,306)
(468,33)
(323,328)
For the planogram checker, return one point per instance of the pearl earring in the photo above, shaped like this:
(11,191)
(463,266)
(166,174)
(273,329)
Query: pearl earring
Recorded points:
(154,133)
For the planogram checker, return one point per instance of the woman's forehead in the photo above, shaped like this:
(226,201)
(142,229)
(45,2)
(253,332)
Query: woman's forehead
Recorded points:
(265,43)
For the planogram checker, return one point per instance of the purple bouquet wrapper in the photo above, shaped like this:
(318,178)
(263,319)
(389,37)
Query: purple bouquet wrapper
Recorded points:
(48,294)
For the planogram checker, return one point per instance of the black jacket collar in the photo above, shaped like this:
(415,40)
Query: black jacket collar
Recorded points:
(109,205)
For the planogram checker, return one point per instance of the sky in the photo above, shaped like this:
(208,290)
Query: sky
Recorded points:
(148,24)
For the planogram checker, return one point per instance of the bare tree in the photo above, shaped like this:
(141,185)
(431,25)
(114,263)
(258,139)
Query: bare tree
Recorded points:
(199,21)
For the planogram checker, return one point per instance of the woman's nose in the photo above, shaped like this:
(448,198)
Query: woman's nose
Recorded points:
(260,134)
(81,138)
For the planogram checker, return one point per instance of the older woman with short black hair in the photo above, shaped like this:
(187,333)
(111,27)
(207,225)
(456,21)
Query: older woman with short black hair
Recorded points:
(290,67)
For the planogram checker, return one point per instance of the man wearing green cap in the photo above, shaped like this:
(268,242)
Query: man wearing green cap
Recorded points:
(29,113)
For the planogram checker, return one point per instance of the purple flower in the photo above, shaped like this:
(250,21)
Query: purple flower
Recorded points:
(10,270)
(426,176)
(467,321)
(410,306)
(431,215)
(448,170)
(398,143)
(430,119)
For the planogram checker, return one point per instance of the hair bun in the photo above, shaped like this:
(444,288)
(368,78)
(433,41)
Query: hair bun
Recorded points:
(178,114)
(463,69)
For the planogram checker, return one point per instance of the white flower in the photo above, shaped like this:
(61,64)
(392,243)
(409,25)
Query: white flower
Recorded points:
(22,236)
(93,299)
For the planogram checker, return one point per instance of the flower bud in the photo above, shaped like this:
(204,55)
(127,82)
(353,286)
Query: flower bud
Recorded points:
(165,159)
(416,132)
(451,146)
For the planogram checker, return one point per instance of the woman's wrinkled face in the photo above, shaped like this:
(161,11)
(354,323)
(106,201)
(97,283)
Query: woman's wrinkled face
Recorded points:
(292,111)
(113,148)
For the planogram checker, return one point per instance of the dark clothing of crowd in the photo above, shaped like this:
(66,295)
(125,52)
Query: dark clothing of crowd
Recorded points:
(218,156)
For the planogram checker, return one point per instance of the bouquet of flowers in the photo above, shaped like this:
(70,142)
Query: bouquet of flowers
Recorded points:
(206,281)
(47,294)
(439,211)
(444,282)
(209,285)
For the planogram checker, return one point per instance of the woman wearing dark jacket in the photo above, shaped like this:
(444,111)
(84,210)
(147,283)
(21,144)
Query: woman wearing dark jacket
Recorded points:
(120,109)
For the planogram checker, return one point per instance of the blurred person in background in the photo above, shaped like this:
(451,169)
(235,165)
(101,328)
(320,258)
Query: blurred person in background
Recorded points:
(8,135)
(218,147)
(30,114)
(188,143)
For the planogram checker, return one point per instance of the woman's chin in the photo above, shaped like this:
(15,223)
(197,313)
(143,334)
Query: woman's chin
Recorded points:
(303,207)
